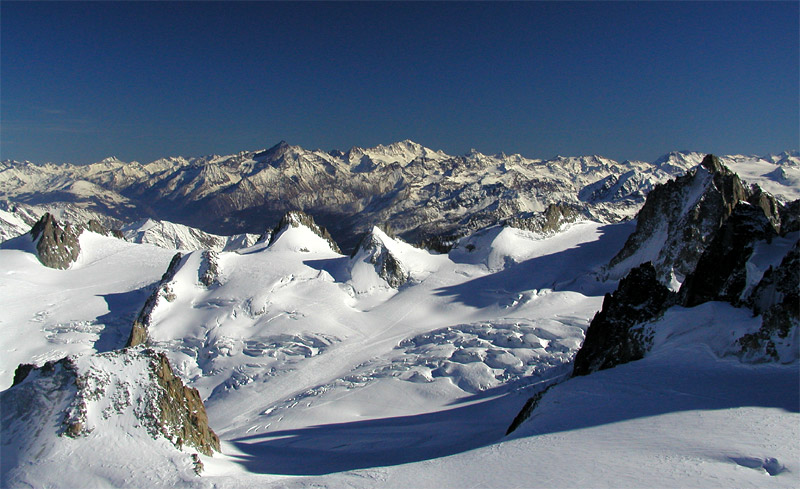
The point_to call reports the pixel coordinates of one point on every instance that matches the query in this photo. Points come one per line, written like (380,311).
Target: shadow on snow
(546,272)
(319,450)
(636,390)
(122,311)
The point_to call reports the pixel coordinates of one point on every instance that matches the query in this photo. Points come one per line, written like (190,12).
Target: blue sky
(627,80)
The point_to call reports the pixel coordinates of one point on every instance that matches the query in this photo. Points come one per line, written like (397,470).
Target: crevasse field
(315,373)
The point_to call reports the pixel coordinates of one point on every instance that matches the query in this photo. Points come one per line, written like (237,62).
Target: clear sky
(627,80)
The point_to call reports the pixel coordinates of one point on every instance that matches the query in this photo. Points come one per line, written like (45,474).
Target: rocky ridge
(294,219)
(80,395)
(680,217)
(421,192)
(717,259)
(56,247)
(724,224)
(373,249)
(163,291)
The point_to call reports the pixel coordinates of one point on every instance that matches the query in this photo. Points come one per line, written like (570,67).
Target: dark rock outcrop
(777,299)
(549,221)
(526,410)
(140,326)
(373,249)
(56,247)
(724,222)
(679,218)
(95,226)
(182,416)
(721,271)
(147,391)
(208,274)
(299,218)
(612,337)
(21,372)
(790,217)
(440,244)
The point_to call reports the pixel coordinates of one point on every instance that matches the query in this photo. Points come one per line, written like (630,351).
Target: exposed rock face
(770,208)
(612,337)
(182,416)
(56,247)
(678,220)
(96,226)
(790,217)
(440,244)
(527,410)
(739,219)
(549,221)
(163,290)
(298,218)
(209,268)
(721,272)
(93,392)
(777,299)
(388,267)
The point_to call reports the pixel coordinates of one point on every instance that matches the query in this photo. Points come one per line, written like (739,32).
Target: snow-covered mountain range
(550,342)
(417,192)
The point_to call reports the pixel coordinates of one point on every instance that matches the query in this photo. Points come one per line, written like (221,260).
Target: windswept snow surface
(48,314)
(311,380)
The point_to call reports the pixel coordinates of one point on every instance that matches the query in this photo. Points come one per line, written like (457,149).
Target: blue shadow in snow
(657,386)
(546,272)
(633,391)
(336,267)
(319,450)
(122,311)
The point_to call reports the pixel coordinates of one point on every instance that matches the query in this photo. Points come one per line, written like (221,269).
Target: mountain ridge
(422,192)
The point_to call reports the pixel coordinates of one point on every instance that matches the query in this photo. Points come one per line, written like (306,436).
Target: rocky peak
(374,250)
(612,337)
(163,291)
(100,393)
(678,220)
(56,247)
(712,164)
(274,156)
(293,219)
(721,271)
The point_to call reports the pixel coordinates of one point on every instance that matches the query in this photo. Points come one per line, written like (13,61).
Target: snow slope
(311,379)
(112,406)
(48,314)
(685,416)
(170,235)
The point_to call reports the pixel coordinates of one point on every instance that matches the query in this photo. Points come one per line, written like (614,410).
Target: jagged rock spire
(56,247)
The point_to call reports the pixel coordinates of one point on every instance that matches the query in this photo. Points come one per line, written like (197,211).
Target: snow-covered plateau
(398,366)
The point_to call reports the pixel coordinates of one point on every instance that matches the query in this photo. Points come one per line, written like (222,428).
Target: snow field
(312,379)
